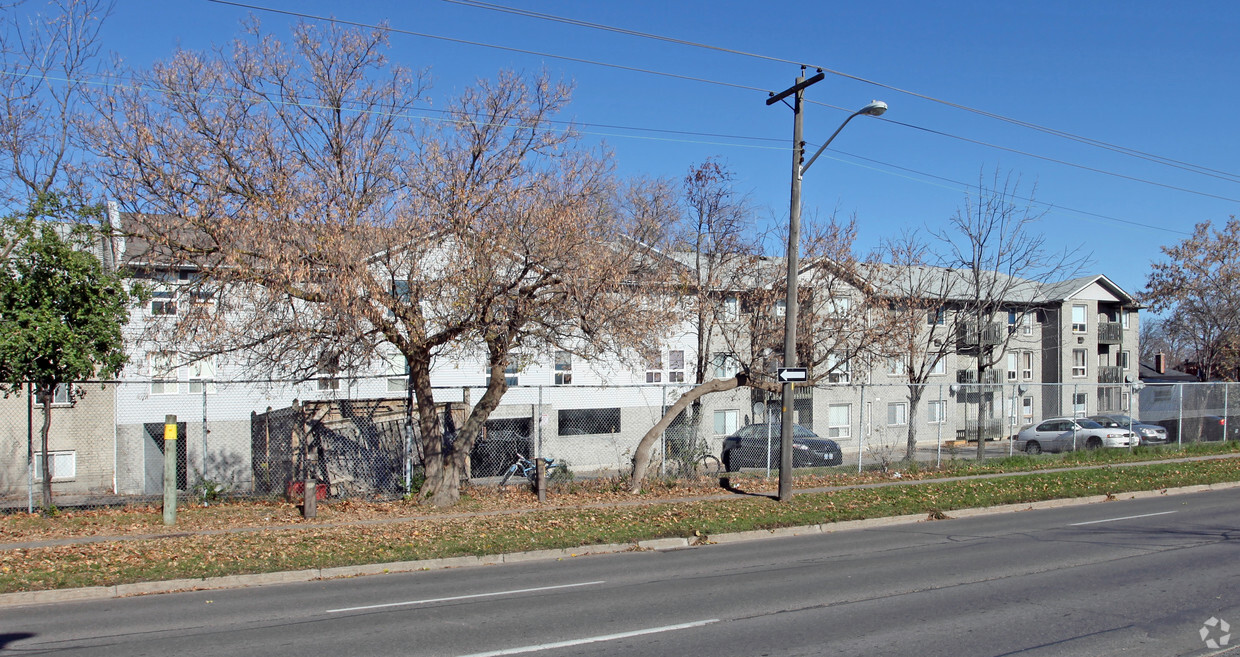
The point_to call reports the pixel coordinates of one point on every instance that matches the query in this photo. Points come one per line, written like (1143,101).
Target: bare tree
(1166,337)
(835,325)
(48,58)
(1199,289)
(921,333)
(996,262)
(331,227)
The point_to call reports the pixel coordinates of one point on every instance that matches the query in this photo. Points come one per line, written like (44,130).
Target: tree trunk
(439,488)
(915,393)
(45,396)
(641,460)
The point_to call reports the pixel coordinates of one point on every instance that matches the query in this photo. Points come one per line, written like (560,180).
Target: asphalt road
(1138,577)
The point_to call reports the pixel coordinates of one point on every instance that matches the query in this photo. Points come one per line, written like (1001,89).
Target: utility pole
(790,373)
(797,91)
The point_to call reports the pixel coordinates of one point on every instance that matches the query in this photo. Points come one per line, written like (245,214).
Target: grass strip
(111,563)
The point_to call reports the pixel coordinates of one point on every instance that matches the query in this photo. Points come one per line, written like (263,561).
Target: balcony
(1110,333)
(988,376)
(1110,374)
(992,334)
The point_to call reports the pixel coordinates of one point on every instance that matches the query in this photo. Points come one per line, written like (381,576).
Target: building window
(676,366)
(838,421)
(1078,319)
(781,308)
(897,414)
(202,376)
(328,383)
(838,306)
(1079,406)
(563,368)
(1123,318)
(62,395)
(726,422)
(1026,409)
(398,373)
(935,412)
(654,369)
(1012,365)
(1026,370)
(838,369)
(163,301)
(731,308)
(726,366)
(1123,358)
(1078,363)
(940,365)
(589,421)
(934,317)
(64,465)
(895,366)
(510,376)
(163,374)
(1026,323)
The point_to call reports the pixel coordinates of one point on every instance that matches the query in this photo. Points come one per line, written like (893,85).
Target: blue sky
(1153,76)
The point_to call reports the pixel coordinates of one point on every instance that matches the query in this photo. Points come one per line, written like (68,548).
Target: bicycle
(526,468)
(695,460)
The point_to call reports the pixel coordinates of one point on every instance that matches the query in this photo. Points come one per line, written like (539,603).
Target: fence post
(30,448)
(204,438)
(938,448)
(1073,406)
(170,469)
(1226,420)
(1179,417)
(861,429)
(663,435)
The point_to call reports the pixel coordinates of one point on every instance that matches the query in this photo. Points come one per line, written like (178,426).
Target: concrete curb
(261,579)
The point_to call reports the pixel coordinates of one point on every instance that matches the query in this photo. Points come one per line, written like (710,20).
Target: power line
(578,60)
(483,5)
(1166,161)
(1064,162)
(421,114)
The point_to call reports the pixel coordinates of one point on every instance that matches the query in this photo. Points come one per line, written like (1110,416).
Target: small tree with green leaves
(61,314)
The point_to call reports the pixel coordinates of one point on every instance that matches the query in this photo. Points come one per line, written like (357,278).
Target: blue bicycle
(526,468)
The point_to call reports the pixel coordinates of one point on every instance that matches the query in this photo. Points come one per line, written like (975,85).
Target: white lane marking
(1144,515)
(463,597)
(593,639)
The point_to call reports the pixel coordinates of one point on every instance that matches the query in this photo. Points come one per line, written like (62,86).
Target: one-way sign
(787,374)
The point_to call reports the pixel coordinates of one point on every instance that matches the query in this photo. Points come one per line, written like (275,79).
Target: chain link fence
(358,439)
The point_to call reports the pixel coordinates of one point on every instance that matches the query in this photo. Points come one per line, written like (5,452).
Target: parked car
(1200,428)
(1149,434)
(1063,434)
(747,448)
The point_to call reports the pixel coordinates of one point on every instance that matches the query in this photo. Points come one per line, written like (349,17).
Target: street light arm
(805,167)
(875,108)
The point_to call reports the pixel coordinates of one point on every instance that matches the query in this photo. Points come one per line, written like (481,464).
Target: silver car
(1064,434)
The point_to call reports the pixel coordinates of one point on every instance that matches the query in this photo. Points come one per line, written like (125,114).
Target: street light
(797,91)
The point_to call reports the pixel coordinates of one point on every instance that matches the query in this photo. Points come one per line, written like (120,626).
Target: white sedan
(1064,434)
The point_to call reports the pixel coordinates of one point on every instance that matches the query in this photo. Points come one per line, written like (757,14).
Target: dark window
(589,421)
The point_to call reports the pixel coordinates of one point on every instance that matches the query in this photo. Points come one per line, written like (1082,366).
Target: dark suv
(748,448)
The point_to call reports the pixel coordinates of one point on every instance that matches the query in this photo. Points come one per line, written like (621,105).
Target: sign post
(170,469)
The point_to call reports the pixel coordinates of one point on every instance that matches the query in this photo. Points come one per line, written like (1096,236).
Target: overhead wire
(1166,161)
(579,60)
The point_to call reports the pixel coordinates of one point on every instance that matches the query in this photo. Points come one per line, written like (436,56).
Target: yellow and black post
(170,469)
